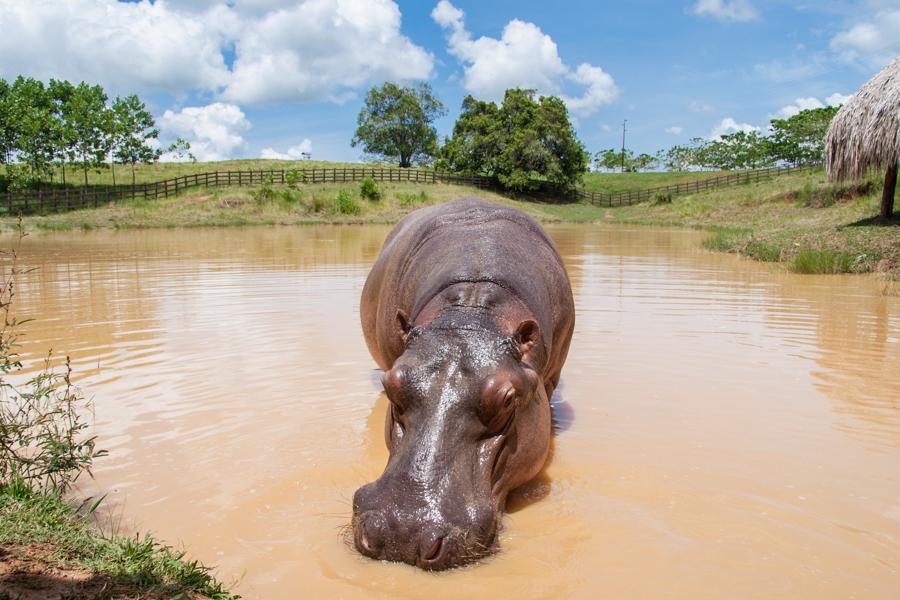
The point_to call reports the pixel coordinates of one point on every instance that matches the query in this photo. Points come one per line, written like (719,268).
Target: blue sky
(249,78)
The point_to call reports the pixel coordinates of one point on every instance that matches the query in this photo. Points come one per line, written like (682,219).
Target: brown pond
(727,429)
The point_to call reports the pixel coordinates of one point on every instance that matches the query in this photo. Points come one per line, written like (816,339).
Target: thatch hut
(865,134)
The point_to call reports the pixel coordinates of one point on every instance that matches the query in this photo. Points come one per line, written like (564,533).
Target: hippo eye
(398,429)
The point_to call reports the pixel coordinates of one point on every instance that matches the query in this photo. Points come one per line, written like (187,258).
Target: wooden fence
(697,185)
(63,199)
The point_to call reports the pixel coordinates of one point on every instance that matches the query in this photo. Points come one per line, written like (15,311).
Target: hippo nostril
(433,553)
(368,537)
(364,542)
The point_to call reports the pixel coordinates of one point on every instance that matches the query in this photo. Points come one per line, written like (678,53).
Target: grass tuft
(822,261)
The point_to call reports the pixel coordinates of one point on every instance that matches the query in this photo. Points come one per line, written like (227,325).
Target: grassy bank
(50,549)
(799,219)
(282,205)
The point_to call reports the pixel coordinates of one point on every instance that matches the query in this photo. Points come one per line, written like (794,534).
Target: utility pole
(623,144)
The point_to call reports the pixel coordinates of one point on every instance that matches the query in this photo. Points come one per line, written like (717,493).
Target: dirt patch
(30,573)
(233,201)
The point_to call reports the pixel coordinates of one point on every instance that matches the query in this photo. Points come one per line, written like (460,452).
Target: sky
(276,78)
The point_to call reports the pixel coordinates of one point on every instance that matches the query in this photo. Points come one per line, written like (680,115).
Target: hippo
(469,312)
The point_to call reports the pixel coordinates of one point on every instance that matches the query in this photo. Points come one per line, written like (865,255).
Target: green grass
(168,170)
(629,182)
(822,261)
(50,535)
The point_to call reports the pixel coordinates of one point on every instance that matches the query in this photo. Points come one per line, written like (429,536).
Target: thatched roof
(865,133)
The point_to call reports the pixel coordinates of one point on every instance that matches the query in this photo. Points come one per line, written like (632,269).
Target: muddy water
(727,429)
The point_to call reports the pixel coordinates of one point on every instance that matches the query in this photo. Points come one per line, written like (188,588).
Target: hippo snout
(386,531)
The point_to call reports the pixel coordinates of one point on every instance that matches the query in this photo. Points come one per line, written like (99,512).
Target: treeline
(797,140)
(522,141)
(526,139)
(45,128)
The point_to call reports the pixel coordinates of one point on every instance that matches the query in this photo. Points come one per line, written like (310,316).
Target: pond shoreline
(800,219)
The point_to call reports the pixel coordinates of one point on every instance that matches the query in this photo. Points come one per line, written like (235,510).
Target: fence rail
(63,199)
(697,185)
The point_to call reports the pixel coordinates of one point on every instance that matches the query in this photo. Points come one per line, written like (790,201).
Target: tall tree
(61,93)
(8,129)
(801,138)
(133,129)
(87,116)
(398,123)
(521,142)
(475,145)
(36,136)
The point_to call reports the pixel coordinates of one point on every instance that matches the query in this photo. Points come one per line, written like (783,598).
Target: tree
(8,129)
(36,131)
(475,145)
(134,128)
(520,142)
(61,93)
(801,139)
(87,116)
(738,150)
(397,123)
(611,158)
(181,148)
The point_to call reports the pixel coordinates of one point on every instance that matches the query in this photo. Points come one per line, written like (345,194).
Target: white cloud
(801,104)
(699,107)
(323,49)
(523,57)
(676,130)
(874,41)
(836,99)
(283,50)
(214,131)
(729,125)
(124,46)
(722,10)
(292,153)
(601,89)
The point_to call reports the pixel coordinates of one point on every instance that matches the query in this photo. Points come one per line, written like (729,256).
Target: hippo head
(468,421)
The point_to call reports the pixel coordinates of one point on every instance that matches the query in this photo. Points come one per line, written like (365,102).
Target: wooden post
(887,195)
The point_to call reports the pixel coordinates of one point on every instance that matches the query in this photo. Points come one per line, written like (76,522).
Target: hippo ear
(403,324)
(527,336)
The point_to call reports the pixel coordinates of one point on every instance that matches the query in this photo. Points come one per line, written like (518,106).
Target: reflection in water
(724,428)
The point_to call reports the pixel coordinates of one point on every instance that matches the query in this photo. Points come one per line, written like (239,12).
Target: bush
(409,199)
(346,204)
(265,191)
(662,198)
(369,190)
(292,178)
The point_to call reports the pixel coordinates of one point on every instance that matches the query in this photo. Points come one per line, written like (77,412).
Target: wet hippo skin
(469,311)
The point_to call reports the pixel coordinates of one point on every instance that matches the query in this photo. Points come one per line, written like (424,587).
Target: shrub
(346,204)
(662,198)
(369,190)
(409,199)
(293,177)
(265,191)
